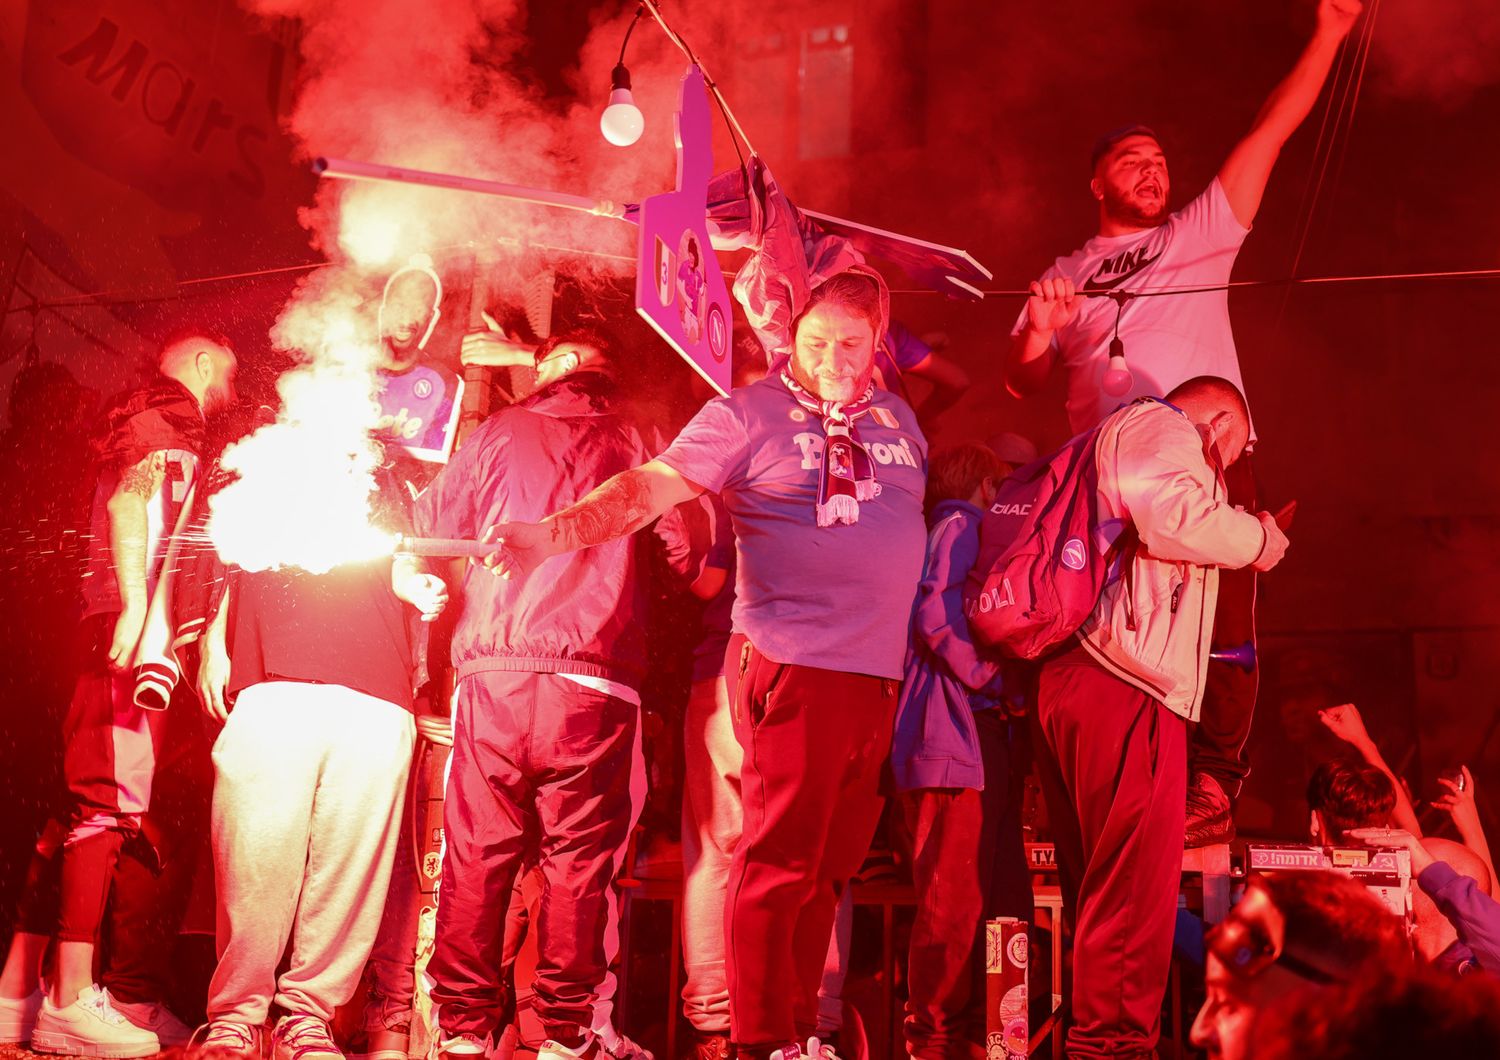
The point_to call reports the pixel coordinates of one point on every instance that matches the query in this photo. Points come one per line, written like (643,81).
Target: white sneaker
(819,1050)
(18,1018)
(814,1050)
(225,1040)
(465,1045)
(303,1036)
(90,1026)
(155,1017)
(589,1050)
(620,1046)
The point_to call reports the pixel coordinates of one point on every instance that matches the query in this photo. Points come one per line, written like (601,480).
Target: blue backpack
(1042,564)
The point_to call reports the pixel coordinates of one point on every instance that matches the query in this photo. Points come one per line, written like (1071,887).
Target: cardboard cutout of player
(420,401)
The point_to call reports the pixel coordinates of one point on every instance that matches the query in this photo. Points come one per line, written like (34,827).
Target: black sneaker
(1210,815)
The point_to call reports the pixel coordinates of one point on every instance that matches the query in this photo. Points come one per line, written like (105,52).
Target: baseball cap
(1109,139)
(1015,449)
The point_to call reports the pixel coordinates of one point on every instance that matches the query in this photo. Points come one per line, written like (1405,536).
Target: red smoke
(438,86)
(1440,51)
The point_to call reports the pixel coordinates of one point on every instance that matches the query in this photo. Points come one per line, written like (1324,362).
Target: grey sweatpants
(307,799)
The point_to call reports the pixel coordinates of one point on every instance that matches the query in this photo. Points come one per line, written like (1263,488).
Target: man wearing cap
(1080,305)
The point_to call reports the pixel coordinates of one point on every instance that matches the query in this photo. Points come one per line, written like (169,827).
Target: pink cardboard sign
(679,287)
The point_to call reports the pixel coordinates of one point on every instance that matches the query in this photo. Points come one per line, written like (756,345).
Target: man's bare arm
(128,535)
(1244,174)
(128,527)
(616,508)
(1053,304)
(621,506)
(1032,356)
(949,382)
(213,660)
(710,583)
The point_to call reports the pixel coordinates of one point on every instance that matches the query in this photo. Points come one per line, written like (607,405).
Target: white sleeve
(1212,218)
(1169,490)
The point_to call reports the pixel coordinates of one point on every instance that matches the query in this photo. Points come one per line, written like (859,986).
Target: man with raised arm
(822,474)
(1081,303)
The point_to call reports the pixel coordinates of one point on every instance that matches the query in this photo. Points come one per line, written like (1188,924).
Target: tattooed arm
(127,544)
(621,506)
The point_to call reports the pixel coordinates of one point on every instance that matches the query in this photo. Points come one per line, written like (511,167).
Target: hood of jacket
(943,509)
(587,392)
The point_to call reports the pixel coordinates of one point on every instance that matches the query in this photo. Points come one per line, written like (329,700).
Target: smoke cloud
(1441,51)
(440,86)
(303,492)
(448,86)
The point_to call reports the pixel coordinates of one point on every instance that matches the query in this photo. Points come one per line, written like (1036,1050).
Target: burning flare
(303,495)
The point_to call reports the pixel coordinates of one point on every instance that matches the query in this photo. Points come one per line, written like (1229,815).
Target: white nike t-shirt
(1168,339)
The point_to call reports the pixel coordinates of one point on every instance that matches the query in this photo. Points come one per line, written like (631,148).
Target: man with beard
(147,461)
(1167,340)
(827,568)
(418,399)
(1112,711)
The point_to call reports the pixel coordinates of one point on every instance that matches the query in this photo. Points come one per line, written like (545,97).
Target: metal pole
(348,169)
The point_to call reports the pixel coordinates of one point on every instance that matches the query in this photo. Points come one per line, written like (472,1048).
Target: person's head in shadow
(1387,1014)
(1292,935)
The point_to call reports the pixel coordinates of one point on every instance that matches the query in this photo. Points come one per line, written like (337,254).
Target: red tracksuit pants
(539,763)
(1113,767)
(127,769)
(815,743)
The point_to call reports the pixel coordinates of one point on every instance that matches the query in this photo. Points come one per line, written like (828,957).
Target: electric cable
(736,132)
(1171,289)
(1357,49)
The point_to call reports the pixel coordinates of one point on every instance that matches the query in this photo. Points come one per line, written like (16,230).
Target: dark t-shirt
(345,627)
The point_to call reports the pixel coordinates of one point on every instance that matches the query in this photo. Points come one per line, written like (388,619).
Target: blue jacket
(579,613)
(1473,914)
(946,679)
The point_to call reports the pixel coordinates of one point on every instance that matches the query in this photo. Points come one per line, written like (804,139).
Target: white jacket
(1153,623)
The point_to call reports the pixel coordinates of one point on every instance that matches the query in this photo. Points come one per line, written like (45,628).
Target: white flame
(303,495)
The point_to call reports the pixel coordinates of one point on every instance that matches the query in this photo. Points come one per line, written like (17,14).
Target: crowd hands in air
(836,683)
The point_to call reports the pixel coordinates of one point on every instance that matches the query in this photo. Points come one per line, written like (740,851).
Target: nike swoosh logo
(1095,284)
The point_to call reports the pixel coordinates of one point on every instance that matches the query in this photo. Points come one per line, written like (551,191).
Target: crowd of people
(835,679)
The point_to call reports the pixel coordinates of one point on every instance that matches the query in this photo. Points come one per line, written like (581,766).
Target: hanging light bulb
(1117,377)
(622,122)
